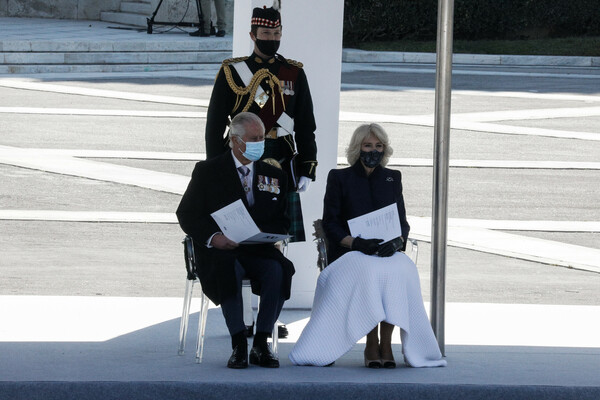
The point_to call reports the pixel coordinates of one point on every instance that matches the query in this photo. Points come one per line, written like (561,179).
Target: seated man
(222,263)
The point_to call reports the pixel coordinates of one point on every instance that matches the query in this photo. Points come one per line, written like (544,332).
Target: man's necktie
(244,172)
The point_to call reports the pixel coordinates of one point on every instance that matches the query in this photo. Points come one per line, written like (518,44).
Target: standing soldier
(276,89)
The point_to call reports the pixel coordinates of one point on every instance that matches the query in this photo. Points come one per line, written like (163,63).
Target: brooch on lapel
(389,179)
(268,184)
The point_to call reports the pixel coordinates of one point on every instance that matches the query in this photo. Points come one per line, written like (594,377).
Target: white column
(312,34)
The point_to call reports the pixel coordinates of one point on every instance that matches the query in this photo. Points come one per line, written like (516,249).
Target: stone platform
(114,348)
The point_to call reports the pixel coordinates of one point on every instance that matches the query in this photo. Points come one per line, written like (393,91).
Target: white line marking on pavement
(524,95)
(525,131)
(528,114)
(127,154)
(64,165)
(458,124)
(208,72)
(114,94)
(108,113)
(514,225)
(170,218)
(426,120)
(88,216)
(341,161)
(516,246)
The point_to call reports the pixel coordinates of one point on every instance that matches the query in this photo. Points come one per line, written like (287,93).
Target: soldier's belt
(275,133)
(272,134)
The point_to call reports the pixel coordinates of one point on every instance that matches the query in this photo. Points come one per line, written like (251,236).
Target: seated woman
(369,287)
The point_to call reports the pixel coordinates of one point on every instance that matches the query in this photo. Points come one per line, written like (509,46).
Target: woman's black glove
(366,246)
(389,248)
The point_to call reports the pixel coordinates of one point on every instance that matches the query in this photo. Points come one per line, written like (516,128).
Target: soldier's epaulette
(234,60)
(295,63)
(284,60)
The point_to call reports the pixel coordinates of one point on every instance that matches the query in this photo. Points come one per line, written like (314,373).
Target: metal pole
(439,218)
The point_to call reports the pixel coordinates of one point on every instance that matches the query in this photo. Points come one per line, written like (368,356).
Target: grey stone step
(104,49)
(138,44)
(162,57)
(63,68)
(125,18)
(143,8)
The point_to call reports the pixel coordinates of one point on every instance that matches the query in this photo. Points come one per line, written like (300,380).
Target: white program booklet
(379,224)
(237,224)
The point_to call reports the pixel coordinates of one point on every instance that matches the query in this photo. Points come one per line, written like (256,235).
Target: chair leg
(415,250)
(247,302)
(185,315)
(201,328)
(275,338)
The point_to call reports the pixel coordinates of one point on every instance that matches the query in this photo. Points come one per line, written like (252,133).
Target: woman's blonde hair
(363,132)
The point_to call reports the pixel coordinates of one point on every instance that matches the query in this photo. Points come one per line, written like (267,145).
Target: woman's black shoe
(372,363)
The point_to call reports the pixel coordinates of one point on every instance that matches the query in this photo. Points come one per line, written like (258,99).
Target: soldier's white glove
(303,184)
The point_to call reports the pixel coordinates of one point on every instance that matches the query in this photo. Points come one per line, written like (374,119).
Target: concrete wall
(175,10)
(61,9)
(170,10)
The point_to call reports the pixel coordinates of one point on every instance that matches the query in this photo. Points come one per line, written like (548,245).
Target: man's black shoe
(199,32)
(239,357)
(220,34)
(264,357)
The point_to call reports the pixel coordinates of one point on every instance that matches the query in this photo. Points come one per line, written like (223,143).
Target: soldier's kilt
(279,150)
(295,214)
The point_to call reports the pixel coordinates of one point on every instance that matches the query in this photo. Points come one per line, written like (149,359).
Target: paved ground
(556,182)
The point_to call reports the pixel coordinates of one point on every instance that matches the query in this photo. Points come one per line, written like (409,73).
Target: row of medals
(268,187)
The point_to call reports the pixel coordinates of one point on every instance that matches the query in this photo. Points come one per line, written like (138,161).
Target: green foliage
(375,20)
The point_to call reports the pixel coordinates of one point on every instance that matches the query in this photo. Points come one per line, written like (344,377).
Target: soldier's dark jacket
(277,91)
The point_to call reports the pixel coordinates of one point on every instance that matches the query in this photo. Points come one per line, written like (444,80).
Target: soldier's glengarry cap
(267,17)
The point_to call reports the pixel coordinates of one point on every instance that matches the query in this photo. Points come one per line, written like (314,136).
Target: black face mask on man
(371,159)
(268,47)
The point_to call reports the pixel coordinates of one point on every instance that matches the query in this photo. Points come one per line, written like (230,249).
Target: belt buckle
(272,134)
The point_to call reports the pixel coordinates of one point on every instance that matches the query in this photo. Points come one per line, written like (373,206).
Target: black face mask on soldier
(371,159)
(268,47)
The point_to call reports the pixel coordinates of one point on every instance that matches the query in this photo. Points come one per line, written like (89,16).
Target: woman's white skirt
(353,295)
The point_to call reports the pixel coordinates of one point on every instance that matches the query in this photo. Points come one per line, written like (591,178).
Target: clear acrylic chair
(191,280)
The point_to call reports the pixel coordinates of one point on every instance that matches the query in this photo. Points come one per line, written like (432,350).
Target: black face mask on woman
(371,159)
(268,47)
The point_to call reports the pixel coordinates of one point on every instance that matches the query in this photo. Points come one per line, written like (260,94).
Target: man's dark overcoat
(215,183)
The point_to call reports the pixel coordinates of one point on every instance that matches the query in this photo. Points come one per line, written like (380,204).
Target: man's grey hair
(241,122)
(363,132)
